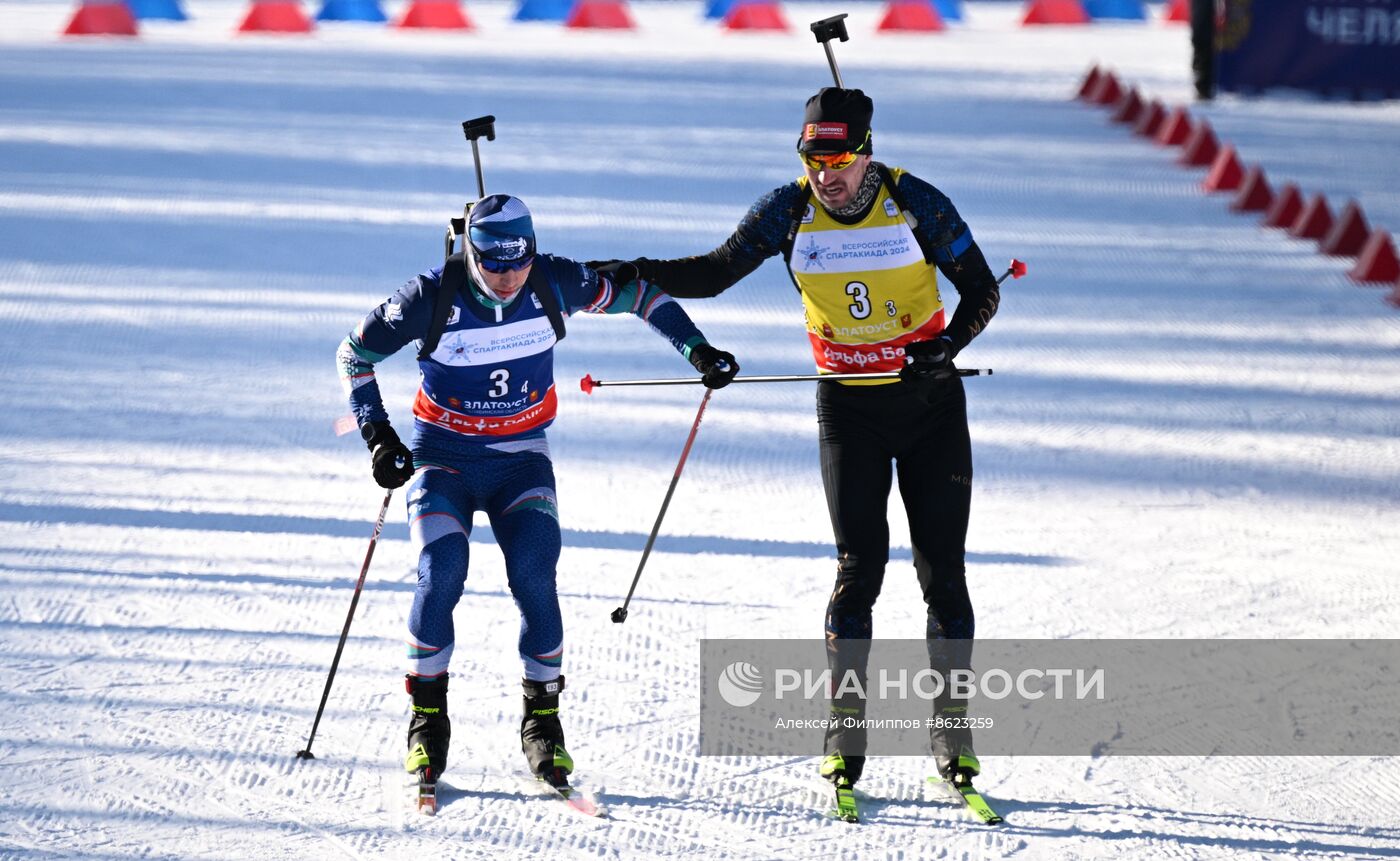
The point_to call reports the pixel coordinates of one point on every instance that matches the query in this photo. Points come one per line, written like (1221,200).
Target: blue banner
(1348,48)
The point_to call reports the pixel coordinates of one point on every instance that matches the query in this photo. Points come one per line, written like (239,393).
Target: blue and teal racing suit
(486,396)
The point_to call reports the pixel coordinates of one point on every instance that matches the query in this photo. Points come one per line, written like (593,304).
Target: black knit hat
(837,120)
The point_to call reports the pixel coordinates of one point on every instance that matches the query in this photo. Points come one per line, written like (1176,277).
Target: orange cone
(1285,208)
(102,19)
(600,15)
(1128,108)
(1176,128)
(1314,221)
(1348,235)
(1225,172)
(434,15)
(275,16)
(1255,194)
(1055,12)
(1107,91)
(1091,80)
(1201,147)
(1377,263)
(913,16)
(755,15)
(1151,120)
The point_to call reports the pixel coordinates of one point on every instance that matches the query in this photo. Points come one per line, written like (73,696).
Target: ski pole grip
(480,126)
(831,28)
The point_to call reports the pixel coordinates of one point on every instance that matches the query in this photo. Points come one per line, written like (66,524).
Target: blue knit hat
(500,228)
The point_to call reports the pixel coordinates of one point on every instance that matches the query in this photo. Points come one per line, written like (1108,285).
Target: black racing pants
(870,436)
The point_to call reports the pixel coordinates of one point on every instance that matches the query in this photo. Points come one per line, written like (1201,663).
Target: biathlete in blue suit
(486,396)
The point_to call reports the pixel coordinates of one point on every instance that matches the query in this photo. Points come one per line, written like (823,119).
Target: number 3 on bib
(860,299)
(501,378)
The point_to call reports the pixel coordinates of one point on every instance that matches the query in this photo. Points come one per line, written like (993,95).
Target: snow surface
(1194,431)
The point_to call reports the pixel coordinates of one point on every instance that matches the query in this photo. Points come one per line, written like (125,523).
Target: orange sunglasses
(831,160)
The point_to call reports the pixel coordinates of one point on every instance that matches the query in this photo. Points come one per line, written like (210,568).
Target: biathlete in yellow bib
(865,245)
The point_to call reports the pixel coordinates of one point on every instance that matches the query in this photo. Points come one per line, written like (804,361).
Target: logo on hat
(510,249)
(825,131)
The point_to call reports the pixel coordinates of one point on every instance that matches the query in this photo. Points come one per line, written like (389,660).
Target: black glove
(928,360)
(390,459)
(717,368)
(619,272)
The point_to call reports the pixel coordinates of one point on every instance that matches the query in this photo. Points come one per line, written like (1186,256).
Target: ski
(970,798)
(559,787)
(425,793)
(846,809)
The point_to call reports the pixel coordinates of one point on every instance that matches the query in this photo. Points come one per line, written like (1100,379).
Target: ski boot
(843,772)
(959,770)
(429,733)
(541,735)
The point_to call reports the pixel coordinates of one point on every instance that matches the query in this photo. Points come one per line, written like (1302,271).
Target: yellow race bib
(866,288)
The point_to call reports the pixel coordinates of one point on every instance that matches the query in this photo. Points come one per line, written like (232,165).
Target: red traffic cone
(275,16)
(1255,194)
(1284,209)
(434,15)
(1150,122)
(755,15)
(102,19)
(600,15)
(1178,12)
(1314,221)
(1091,80)
(916,16)
(1377,262)
(1201,147)
(1176,128)
(1128,108)
(1055,12)
(1225,172)
(1107,91)
(1348,234)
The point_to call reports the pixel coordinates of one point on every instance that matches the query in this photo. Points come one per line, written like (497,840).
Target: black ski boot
(429,733)
(845,753)
(950,731)
(952,744)
(541,735)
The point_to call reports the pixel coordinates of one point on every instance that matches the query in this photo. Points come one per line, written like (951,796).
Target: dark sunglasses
(496,267)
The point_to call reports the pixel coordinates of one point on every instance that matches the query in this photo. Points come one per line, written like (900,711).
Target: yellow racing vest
(866,289)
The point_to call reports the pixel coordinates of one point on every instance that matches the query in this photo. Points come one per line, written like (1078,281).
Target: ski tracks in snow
(179,531)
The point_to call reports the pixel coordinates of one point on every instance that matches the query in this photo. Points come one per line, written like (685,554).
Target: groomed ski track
(1193,431)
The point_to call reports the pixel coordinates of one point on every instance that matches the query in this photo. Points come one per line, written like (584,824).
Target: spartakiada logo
(812,254)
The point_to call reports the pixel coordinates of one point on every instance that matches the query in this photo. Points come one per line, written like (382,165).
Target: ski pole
(1016,269)
(306,753)
(620,614)
(588,384)
(827,29)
